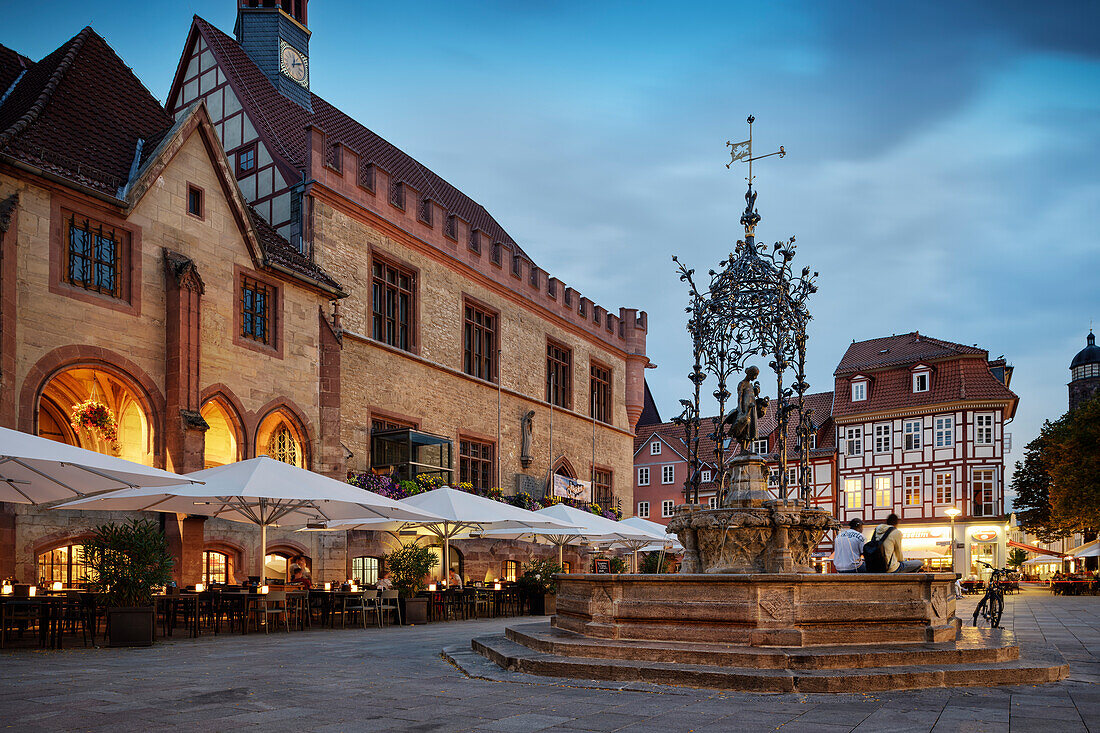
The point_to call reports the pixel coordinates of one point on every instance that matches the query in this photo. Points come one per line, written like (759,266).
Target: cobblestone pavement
(394,679)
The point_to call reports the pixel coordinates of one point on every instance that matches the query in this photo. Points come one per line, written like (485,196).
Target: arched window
(282,446)
(64,565)
(215,567)
(280,438)
(366,570)
(275,566)
(222,437)
(509,570)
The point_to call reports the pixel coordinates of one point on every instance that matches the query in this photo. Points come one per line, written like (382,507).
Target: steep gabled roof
(907,348)
(79,113)
(650,415)
(284,123)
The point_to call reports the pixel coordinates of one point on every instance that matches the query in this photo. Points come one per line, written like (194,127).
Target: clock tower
(274,35)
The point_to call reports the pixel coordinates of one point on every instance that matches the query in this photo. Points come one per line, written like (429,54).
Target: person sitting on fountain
(848,549)
(890,538)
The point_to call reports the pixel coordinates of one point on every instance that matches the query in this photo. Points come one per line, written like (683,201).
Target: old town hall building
(249,271)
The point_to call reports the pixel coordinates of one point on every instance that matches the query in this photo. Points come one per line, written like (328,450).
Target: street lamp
(952,511)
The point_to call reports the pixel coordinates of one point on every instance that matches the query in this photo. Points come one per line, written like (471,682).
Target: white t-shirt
(848,550)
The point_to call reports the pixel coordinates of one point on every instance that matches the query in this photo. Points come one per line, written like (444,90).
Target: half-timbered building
(920,431)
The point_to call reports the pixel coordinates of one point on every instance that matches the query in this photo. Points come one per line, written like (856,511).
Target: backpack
(874,553)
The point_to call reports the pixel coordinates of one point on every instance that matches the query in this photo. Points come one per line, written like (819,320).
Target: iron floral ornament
(754,306)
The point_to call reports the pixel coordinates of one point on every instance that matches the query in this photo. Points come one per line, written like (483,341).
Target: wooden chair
(360,603)
(389,602)
(273,604)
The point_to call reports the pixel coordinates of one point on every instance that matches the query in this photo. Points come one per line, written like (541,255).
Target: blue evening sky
(943,157)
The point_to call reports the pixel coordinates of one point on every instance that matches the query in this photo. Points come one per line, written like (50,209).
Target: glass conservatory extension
(405,453)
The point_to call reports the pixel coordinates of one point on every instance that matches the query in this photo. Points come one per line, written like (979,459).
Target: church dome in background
(1088,355)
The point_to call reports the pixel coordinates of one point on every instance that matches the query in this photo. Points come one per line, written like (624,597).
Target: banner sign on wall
(564,487)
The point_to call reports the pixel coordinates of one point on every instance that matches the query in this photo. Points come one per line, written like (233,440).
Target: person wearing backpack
(882,553)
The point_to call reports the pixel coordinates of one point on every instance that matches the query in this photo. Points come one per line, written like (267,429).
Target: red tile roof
(78,113)
(284,122)
(908,348)
(820,402)
(957,380)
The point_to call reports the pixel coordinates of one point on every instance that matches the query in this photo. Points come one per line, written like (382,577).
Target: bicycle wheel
(996,608)
(982,618)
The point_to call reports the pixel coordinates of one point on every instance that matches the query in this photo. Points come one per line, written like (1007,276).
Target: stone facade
(169,341)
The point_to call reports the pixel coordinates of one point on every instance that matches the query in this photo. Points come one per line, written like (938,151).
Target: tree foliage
(408,567)
(127,561)
(1057,484)
(1017,557)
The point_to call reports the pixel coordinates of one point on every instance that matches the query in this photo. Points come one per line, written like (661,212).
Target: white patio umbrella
(1090,549)
(462,513)
(1043,560)
(659,539)
(588,527)
(260,491)
(36,470)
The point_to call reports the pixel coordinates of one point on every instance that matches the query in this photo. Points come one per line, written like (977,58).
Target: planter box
(131,626)
(414,610)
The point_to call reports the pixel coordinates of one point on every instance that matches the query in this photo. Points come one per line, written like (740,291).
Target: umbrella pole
(446,557)
(263,551)
(561,554)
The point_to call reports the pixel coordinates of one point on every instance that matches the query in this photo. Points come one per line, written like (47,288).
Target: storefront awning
(1032,548)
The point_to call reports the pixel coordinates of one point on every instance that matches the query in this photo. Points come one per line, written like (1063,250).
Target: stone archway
(95,385)
(115,378)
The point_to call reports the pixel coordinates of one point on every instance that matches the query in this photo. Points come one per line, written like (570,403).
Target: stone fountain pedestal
(746,613)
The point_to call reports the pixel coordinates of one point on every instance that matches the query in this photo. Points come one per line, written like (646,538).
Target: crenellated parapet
(364,183)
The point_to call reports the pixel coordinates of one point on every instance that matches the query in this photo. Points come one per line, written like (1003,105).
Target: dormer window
(859,390)
(921,379)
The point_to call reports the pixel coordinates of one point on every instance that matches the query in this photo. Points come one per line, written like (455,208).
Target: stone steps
(970,646)
(1038,665)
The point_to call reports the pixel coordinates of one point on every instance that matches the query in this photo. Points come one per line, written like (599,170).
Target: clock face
(294,64)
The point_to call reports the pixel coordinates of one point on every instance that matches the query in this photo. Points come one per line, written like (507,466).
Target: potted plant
(408,567)
(125,563)
(539,586)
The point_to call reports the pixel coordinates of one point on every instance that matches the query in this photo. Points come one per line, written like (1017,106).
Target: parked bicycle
(988,613)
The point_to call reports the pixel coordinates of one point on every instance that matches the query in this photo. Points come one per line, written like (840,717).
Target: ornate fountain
(755,306)
(745,611)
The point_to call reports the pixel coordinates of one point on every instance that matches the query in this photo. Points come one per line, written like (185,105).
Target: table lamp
(56,585)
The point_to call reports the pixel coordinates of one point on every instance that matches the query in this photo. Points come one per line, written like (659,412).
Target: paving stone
(394,679)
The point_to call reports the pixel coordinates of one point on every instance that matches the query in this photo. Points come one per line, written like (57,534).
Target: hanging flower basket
(96,417)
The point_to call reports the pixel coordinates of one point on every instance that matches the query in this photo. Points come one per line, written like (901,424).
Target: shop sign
(924,533)
(983,534)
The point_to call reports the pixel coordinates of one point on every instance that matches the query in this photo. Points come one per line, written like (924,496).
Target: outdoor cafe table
(1072,587)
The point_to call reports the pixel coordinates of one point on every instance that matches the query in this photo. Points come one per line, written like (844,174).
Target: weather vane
(743,151)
